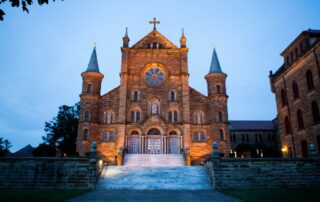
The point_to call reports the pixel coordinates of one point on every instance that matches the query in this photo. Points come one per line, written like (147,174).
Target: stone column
(142,144)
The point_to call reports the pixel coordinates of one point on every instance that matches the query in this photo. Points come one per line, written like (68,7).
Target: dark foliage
(21,3)
(44,150)
(4,147)
(62,130)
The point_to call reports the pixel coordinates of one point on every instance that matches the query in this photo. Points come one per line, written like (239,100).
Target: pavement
(153,196)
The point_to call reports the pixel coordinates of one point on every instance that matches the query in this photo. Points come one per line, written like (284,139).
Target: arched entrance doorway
(134,146)
(154,141)
(173,143)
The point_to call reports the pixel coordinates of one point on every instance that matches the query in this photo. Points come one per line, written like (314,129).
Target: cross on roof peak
(154,22)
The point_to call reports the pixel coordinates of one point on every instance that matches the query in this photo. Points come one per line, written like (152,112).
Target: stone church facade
(154,110)
(296,85)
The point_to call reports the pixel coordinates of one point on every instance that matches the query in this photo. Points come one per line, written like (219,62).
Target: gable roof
(251,125)
(23,152)
(154,36)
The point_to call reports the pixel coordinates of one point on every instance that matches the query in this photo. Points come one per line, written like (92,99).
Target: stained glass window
(154,77)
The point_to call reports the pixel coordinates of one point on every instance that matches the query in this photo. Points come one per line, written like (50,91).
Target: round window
(154,76)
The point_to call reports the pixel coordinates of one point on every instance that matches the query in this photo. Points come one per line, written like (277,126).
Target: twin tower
(153,110)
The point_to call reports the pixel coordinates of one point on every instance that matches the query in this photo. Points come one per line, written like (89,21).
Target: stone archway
(154,143)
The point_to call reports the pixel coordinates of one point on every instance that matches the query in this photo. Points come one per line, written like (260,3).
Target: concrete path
(153,196)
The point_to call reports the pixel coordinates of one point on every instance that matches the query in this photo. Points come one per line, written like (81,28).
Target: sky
(44,52)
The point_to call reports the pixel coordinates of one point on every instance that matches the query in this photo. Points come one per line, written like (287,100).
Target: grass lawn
(281,194)
(26,195)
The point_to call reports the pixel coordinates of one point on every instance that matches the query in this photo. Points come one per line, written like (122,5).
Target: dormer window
(89,88)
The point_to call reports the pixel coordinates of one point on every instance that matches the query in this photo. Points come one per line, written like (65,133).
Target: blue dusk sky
(43,53)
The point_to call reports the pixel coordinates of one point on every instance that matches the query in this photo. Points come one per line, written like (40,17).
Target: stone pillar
(165,144)
(142,143)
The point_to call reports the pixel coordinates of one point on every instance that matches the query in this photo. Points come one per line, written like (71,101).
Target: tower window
(283,98)
(89,88)
(287,125)
(132,117)
(221,135)
(170,116)
(172,96)
(310,80)
(85,134)
(135,116)
(300,119)
(220,118)
(136,96)
(175,117)
(138,118)
(86,116)
(199,118)
(315,112)
(218,89)
(295,89)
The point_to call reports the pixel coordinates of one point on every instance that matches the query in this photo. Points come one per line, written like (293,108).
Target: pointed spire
(183,40)
(126,39)
(215,65)
(93,63)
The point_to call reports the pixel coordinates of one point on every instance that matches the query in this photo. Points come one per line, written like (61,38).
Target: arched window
(300,119)
(175,117)
(287,125)
(173,133)
(132,116)
(104,136)
(218,89)
(89,88)
(87,116)
(221,134)
(202,136)
(134,132)
(154,106)
(195,137)
(283,98)
(170,116)
(136,96)
(199,118)
(138,116)
(172,96)
(315,112)
(220,118)
(295,89)
(154,131)
(85,134)
(109,117)
(310,80)
(111,136)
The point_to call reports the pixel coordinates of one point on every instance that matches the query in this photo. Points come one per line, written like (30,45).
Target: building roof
(23,152)
(215,65)
(93,63)
(251,125)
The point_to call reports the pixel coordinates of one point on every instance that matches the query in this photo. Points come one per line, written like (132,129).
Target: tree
(62,130)
(44,150)
(21,3)
(5,146)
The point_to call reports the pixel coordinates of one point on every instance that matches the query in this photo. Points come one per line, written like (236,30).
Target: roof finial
(94,45)
(154,22)
(126,31)
(183,32)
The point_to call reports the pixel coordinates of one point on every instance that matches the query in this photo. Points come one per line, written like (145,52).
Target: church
(154,110)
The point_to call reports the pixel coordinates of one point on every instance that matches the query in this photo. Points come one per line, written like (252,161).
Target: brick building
(254,138)
(296,85)
(153,110)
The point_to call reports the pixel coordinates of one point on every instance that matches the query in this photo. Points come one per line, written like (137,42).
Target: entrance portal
(173,145)
(154,146)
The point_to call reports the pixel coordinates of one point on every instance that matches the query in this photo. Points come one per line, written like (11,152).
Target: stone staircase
(154,172)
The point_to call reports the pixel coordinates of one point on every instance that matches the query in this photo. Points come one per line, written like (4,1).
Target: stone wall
(49,173)
(263,173)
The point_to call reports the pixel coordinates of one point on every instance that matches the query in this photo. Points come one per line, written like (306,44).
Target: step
(154,178)
(153,160)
